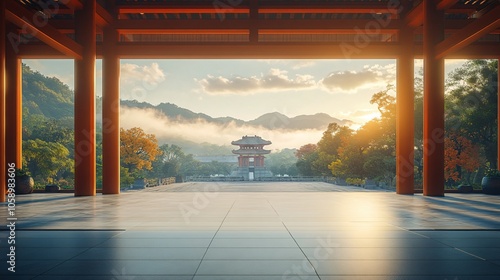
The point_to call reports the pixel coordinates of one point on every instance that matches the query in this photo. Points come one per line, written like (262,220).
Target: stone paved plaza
(254,231)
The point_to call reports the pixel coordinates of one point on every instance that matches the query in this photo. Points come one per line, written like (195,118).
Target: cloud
(136,80)
(151,121)
(275,80)
(303,64)
(367,77)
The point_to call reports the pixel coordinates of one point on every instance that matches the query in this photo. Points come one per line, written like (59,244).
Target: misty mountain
(197,133)
(277,120)
(271,121)
(52,98)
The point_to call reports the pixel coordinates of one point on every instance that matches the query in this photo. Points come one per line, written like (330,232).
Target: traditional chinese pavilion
(251,157)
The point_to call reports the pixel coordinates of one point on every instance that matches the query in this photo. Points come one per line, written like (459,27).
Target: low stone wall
(214,179)
(291,179)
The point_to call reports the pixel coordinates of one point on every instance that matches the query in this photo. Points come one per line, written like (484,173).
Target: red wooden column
(498,114)
(405,115)
(85,158)
(13,110)
(433,101)
(110,114)
(3,166)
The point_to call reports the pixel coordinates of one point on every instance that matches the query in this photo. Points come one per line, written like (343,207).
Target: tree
(306,150)
(138,150)
(283,162)
(46,160)
(306,155)
(368,152)
(461,156)
(471,104)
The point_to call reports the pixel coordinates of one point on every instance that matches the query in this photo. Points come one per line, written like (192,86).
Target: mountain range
(50,98)
(274,120)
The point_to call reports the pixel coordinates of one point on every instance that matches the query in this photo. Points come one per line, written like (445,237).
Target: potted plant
(24,182)
(491,182)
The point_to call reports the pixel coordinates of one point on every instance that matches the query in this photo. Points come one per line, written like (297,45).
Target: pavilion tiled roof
(251,140)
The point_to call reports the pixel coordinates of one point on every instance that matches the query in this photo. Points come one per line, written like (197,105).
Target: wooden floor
(254,231)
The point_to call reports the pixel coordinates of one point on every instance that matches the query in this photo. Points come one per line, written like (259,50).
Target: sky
(246,89)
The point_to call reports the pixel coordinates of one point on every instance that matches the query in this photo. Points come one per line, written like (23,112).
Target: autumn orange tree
(462,157)
(138,149)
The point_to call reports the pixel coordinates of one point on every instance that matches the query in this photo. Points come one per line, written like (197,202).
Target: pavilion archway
(83,30)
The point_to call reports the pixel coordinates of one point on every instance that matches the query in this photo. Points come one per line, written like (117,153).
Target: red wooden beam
(152,8)
(446,4)
(72,4)
(322,31)
(480,27)
(3,159)
(40,51)
(346,7)
(131,50)
(264,8)
(24,19)
(186,31)
(130,26)
(327,10)
(103,17)
(415,17)
(260,50)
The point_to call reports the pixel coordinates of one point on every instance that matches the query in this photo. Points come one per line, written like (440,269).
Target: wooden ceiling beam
(152,8)
(128,26)
(68,26)
(264,8)
(23,18)
(72,4)
(255,51)
(415,17)
(446,4)
(103,17)
(487,23)
(200,51)
(185,31)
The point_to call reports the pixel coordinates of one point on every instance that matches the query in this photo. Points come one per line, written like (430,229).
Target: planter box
(24,184)
(140,184)
(52,188)
(465,189)
(491,185)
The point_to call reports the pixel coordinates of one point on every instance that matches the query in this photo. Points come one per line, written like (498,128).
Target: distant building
(251,157)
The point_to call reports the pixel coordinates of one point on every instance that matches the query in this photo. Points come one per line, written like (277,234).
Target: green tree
(47,161)
(471,104)
(282,162)
(306,155)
